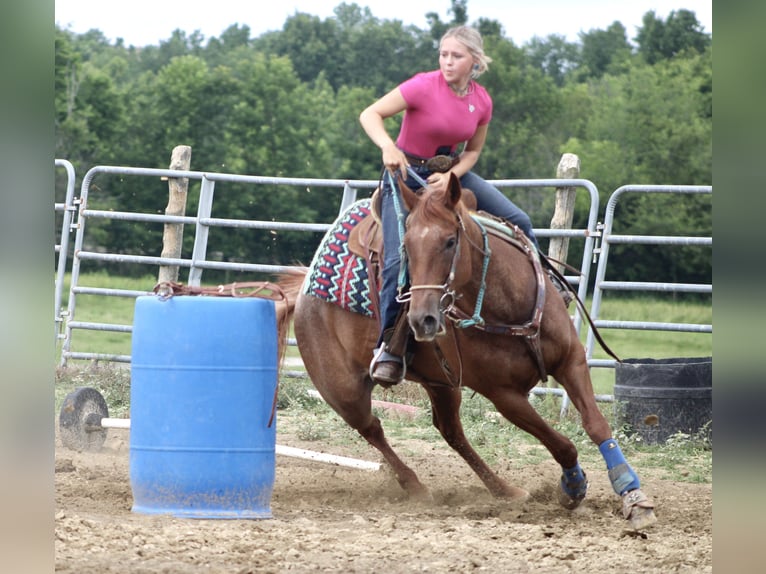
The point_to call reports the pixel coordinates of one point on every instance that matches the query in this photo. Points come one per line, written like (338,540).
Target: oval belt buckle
(440,163)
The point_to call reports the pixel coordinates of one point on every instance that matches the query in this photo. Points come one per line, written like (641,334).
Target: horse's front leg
(514,406)
(637,507)
(405,476)
(446,417)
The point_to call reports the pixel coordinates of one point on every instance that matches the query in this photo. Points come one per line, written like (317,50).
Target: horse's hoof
(515,494)
(572,494)
(568,502)
(421,495)
(638,509)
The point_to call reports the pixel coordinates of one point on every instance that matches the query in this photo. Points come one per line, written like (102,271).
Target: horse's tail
(291,283)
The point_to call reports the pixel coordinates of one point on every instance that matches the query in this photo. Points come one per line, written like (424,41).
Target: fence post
(172,236)
(568,168)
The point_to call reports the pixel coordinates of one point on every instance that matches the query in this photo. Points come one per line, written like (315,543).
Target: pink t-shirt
(436,116)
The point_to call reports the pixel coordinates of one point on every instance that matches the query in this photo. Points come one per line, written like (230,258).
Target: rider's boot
(387,369)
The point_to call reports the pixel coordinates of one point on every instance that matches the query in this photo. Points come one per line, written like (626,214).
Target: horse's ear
(454,189)
(409,197)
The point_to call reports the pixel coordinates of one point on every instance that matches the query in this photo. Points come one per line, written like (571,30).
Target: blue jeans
(488,198)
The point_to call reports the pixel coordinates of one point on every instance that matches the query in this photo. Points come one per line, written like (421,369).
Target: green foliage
(679,34)
(554,56)
(287,103)
(603,51)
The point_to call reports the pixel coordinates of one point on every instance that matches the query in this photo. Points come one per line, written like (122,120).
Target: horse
(481,319)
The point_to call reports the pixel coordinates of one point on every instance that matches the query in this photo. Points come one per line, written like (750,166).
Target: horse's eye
(451,242)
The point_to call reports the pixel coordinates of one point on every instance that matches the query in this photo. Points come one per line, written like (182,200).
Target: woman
(443,108)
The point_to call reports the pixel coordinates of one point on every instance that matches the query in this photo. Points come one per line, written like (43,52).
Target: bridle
(449,296)
(529,331)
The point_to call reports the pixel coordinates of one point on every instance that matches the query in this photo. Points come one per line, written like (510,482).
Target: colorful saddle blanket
(337,275)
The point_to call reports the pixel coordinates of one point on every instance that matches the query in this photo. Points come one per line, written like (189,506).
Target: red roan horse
(453,264)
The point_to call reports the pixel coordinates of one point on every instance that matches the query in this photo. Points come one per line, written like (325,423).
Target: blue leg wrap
(573,482)
(621,475)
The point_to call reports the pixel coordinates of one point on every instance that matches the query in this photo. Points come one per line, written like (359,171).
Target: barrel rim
(666,361)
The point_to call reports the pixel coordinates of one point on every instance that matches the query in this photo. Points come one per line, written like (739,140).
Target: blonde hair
(472,40)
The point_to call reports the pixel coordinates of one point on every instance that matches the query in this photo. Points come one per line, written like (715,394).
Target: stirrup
(377,355)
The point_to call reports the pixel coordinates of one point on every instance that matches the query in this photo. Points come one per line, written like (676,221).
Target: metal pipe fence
(76,214)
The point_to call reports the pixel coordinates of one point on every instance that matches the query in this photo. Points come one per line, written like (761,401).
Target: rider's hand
(438,181)
(394,159)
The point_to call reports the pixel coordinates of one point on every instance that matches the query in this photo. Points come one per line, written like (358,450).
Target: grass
(682,458)
(625,343)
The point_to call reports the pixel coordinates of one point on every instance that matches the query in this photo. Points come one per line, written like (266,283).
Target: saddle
(366,239)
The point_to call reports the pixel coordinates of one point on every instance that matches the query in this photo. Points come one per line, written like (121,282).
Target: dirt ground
(328,518)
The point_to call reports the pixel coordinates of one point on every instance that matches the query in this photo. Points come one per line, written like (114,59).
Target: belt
(440,163)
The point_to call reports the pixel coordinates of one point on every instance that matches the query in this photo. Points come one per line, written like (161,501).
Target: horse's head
(436,268)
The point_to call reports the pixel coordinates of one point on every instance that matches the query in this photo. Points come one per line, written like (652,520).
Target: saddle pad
(337,275)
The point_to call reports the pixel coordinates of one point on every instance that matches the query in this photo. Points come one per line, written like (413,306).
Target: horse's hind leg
(446,417)
(338,369)
(637,508)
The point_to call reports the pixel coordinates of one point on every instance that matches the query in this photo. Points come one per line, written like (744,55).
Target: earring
(476,67)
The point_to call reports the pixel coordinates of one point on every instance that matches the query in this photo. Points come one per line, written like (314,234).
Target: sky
(147,22)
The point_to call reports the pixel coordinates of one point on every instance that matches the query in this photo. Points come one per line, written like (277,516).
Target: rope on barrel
(262,289)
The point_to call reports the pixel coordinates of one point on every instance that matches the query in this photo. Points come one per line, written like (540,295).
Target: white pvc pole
(279,449)
(330,458)
(115,423)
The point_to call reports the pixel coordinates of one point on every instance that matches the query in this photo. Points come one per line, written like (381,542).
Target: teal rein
(400,219)
(402,283)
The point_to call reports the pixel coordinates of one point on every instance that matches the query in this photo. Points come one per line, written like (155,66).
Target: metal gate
(596,237)
(340,190)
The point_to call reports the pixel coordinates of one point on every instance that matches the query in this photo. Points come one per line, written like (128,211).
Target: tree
(219,51)
(526,104)
(680,33)
(287,103)
(88,107)
(556,57)
(459,11)
(649,127)
(311,44)
(604,50)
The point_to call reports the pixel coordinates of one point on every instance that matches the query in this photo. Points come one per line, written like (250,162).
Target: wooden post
(569,168)
(172,236)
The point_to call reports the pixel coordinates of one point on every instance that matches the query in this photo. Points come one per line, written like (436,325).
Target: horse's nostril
(430,324)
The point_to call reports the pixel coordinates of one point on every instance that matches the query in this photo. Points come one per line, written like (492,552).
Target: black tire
(80,420)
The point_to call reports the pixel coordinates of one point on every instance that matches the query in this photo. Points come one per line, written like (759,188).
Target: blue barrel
(203,384)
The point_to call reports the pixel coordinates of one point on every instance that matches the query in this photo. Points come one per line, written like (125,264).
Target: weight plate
(80,420)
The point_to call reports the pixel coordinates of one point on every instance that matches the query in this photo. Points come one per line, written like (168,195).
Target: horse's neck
(508,288)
